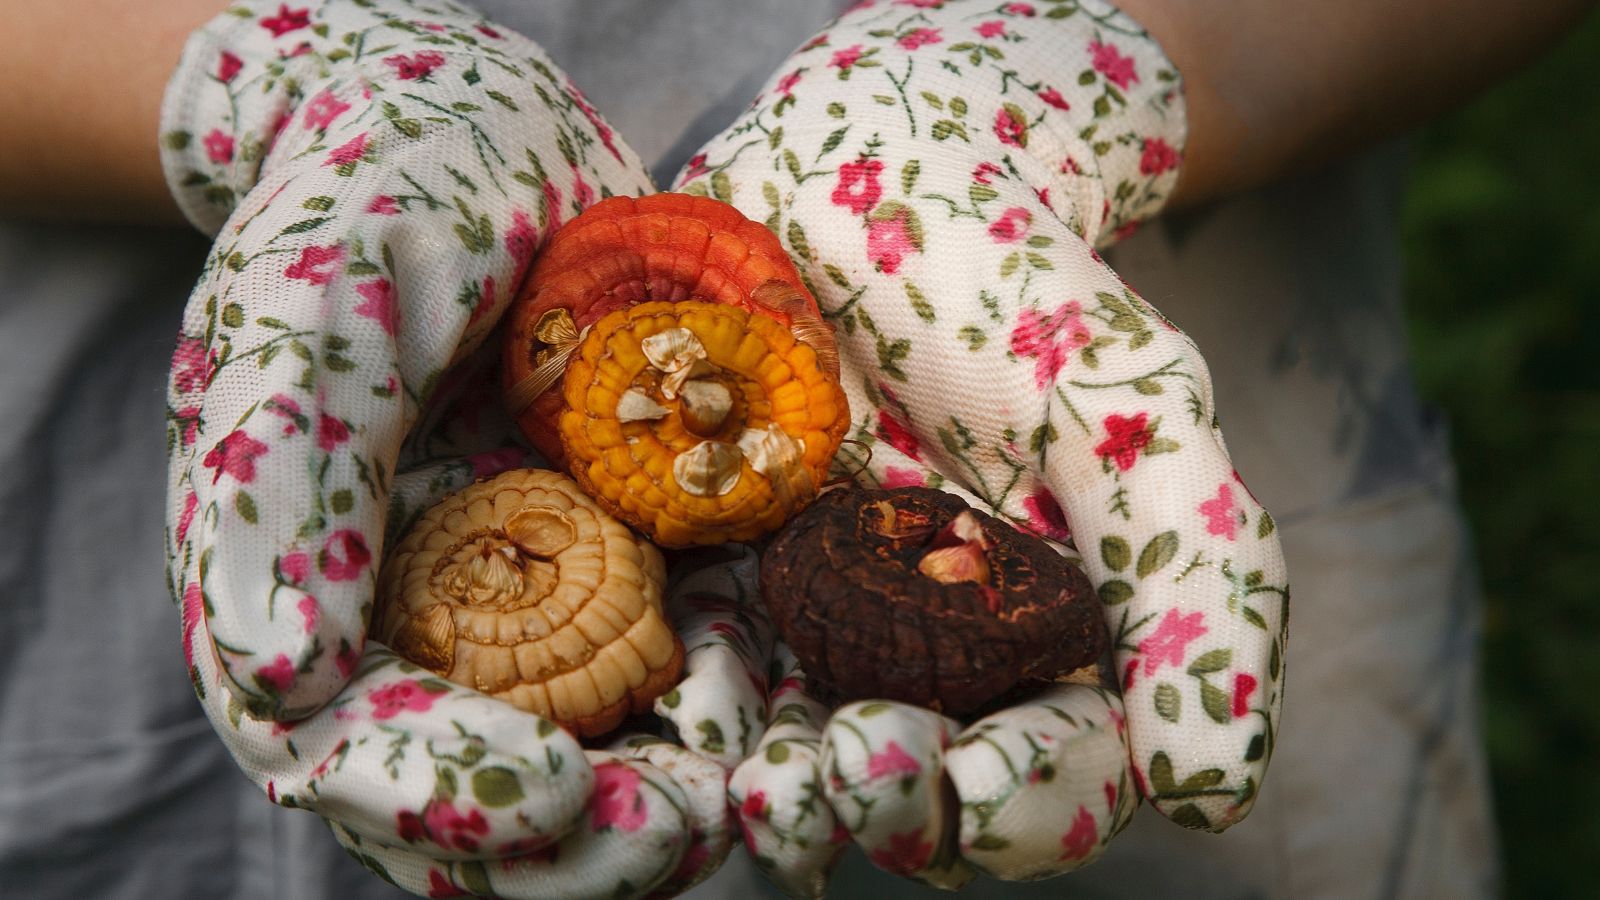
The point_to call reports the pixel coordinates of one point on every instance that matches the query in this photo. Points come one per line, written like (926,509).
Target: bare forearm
(1275,87)
(80,96)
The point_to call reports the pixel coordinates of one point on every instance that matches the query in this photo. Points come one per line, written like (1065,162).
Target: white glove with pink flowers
(941,172)
(378,175)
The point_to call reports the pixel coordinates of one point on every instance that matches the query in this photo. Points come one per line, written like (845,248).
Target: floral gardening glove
(379,175)
(941,171)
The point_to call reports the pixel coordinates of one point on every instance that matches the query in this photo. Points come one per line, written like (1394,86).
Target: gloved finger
(402,757)
(1186,561)
(1043,785)
(884,775)
(1108,426)
(1123,455)
(704,785)
(720,707)
(357,268)
(789,828)
(631,838)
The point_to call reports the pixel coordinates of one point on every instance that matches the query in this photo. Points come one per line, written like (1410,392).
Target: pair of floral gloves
(378,176)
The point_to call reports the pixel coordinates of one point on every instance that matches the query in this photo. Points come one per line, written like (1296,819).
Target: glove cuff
(1114,102)
(237,82)
(1079,86)
(246,74)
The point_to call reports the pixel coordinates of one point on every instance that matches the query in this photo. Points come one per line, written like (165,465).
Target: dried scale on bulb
(667,353)
(523,588)
(911,595)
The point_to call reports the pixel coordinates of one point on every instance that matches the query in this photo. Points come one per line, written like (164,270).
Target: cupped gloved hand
(941,172)
(378,176)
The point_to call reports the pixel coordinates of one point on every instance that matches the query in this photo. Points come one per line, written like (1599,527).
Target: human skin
(80,98)
(1274,87)
(1277,87)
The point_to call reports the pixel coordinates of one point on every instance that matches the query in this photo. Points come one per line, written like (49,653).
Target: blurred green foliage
(1502,230)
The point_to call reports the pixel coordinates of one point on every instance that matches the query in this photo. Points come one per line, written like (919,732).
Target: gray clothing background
(112,785)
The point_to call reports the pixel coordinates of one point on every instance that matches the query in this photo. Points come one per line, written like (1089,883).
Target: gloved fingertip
(1043,785)
(719,707)
(710,820)
(883,773)
(789,830)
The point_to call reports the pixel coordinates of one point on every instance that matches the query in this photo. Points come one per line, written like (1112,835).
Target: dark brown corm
(911,595)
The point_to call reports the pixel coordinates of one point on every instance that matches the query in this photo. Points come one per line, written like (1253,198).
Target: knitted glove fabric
(378,176)
(941,172)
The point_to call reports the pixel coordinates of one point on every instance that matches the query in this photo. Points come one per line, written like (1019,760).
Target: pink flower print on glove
(858,188)
(401,696)
(616,803)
